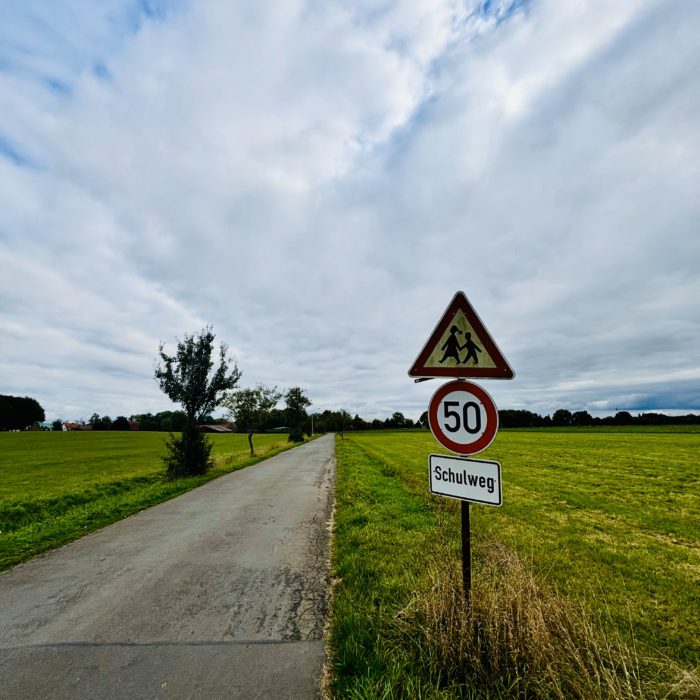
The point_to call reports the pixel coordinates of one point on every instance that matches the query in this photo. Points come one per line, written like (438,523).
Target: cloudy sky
(317,179)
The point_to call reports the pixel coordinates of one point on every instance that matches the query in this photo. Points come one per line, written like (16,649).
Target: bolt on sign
(462,416)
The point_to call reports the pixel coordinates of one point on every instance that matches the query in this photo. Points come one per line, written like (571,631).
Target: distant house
(71,426)
(232,427)
(215,429)
(41,425)
(85,426)
(133,424)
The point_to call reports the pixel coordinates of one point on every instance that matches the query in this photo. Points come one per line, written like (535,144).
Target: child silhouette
(451,346)
(472,349)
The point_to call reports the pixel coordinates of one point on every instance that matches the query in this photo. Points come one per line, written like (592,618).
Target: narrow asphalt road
(219,593)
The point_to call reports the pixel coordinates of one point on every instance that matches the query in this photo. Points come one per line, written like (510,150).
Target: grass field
(58,486)
(608,517)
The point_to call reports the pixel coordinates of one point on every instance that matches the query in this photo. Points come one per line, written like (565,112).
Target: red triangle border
(502,370)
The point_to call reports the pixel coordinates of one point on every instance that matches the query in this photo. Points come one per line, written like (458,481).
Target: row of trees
(251,411)
(563,418)
(106,423)
(189,378)
(339,421)
(256,409)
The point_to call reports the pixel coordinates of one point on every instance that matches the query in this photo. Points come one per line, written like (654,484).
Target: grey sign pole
(466,551)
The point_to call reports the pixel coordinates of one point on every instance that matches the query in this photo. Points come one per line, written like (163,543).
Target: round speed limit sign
(463,417)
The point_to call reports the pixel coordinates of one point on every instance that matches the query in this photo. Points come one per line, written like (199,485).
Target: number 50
(465,416)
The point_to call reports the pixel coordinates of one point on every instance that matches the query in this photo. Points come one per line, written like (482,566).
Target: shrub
(188,454)
(296,435)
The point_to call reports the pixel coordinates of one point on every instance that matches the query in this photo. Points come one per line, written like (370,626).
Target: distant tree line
(167,421)
(337,421)
(563,418)
(18,413)
(341,421)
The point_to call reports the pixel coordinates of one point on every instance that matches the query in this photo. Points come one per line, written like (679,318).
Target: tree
(57,425)
(104,423)
(518,418)
(581,418)
(27,411)
(359,424)
(623,418)
(121,423)
(185,379)
(343,422)
(398,420)
(297,404)
(561,417)
(19,413)
(177,421)
(423,420)
(148,422)
(250,408)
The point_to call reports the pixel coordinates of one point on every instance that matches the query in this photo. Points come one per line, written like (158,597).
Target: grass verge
(399,627)
(612,519)
(52,515)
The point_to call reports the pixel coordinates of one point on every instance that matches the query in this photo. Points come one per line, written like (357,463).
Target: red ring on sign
(491,418)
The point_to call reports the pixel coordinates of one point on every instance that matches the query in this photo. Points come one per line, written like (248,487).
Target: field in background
(58,486)
(609,517)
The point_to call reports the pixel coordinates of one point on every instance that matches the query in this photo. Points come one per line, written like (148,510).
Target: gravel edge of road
(327,671)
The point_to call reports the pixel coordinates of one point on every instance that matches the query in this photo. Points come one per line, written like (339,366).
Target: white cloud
(318,179)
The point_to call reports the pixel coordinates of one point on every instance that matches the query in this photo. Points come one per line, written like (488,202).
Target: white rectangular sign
(473,480)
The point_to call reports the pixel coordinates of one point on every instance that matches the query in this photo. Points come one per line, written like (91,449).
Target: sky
(315,180)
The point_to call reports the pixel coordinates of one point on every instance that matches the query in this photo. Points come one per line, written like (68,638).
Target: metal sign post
(466,552)
(470,481)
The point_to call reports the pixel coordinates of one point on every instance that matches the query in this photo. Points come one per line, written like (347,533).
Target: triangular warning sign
(460,346)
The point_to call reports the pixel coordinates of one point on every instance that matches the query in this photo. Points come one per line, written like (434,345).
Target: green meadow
(58,486)
(608,518)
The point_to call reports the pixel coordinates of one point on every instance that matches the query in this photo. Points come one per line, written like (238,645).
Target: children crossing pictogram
(460,346)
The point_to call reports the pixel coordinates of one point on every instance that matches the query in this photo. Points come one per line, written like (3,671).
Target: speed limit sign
(463,417)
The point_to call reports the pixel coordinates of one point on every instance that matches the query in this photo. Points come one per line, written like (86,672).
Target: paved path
(219,593)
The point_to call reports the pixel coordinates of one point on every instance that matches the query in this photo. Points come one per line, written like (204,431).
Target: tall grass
(514,637)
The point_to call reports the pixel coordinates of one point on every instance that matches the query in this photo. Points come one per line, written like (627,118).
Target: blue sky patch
(11,153)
